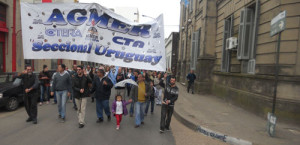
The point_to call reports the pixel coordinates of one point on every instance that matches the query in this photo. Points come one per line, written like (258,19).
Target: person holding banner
(62,86)
(102,88)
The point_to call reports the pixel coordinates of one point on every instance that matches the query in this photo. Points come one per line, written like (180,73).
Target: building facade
(197,42)
(171,45)
(244,75)
(11,50)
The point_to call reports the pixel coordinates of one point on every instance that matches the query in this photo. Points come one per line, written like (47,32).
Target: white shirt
(119,109)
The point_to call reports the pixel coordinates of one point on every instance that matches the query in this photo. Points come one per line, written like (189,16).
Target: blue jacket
(191,77)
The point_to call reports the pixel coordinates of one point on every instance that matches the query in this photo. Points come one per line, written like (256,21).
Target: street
(49,131)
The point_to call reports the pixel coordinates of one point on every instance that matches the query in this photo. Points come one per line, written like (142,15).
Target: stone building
(171,45)
(197,42)
(244,75)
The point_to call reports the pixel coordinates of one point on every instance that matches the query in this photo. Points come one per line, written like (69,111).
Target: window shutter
(191,6)
(240,37)
(251,66)
(255,30)
(231,26)
(224,53)
(193,50)
(248,33)
(199,42)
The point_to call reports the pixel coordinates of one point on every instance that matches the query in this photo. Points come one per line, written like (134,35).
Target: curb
(207,132)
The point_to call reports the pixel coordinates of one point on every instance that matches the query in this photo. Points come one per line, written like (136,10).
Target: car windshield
(3,78)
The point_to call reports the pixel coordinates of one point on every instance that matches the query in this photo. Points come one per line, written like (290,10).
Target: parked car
(11,91)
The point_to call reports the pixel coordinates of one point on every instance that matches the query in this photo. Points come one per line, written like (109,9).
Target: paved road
(49,131)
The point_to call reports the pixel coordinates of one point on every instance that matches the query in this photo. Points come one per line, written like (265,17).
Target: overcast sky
(153,8)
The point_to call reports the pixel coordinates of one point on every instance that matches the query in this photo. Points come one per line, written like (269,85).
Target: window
(194,48)
(53,63)
(191,6)
(226,54)
(245,33)
(29,62)
(182,50)
(184,12)
(247,37)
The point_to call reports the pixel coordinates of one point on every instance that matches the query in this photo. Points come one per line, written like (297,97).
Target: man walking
(62,85)
(44,77)
(139,95)
(120,77)
(170,96)
(133,77)
(81,92)
(102,88)
(30,83)
(73,73)
(191,77)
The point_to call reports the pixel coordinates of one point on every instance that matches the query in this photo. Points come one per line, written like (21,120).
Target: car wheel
(12,104)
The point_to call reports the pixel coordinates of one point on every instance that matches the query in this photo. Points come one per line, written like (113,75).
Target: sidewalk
(214,117)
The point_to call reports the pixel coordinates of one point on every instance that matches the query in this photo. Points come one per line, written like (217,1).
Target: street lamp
(147,16)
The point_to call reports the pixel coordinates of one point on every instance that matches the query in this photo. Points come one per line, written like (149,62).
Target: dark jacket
(30,81)
(191,77)
(102,92)
(171,93)
(134,92)
(45,82)
(79,83)
(124,103)
(121,78)
(151,94)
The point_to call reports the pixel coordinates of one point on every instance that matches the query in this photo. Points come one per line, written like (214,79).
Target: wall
(255,92)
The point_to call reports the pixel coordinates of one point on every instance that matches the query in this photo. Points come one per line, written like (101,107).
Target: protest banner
(91,32)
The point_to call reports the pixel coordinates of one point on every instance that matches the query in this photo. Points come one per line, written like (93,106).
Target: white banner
(90,32)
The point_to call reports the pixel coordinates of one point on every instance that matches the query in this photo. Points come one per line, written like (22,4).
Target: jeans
(44,89)
(100,105)
(61,101)
(190,85)
(73,99)
(147,105)
(166,111)
(131,108)
(55,99)
(139,112)
(30,100)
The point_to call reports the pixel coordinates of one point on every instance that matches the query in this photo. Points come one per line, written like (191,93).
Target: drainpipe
(14,50)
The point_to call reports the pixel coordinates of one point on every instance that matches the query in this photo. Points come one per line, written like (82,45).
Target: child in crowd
(119,108)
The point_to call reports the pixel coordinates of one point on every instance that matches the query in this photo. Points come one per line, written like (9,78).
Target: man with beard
(30,83)
(170,96)
(81,92)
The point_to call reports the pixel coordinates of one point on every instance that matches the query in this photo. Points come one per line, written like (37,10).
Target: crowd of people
(76,85)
